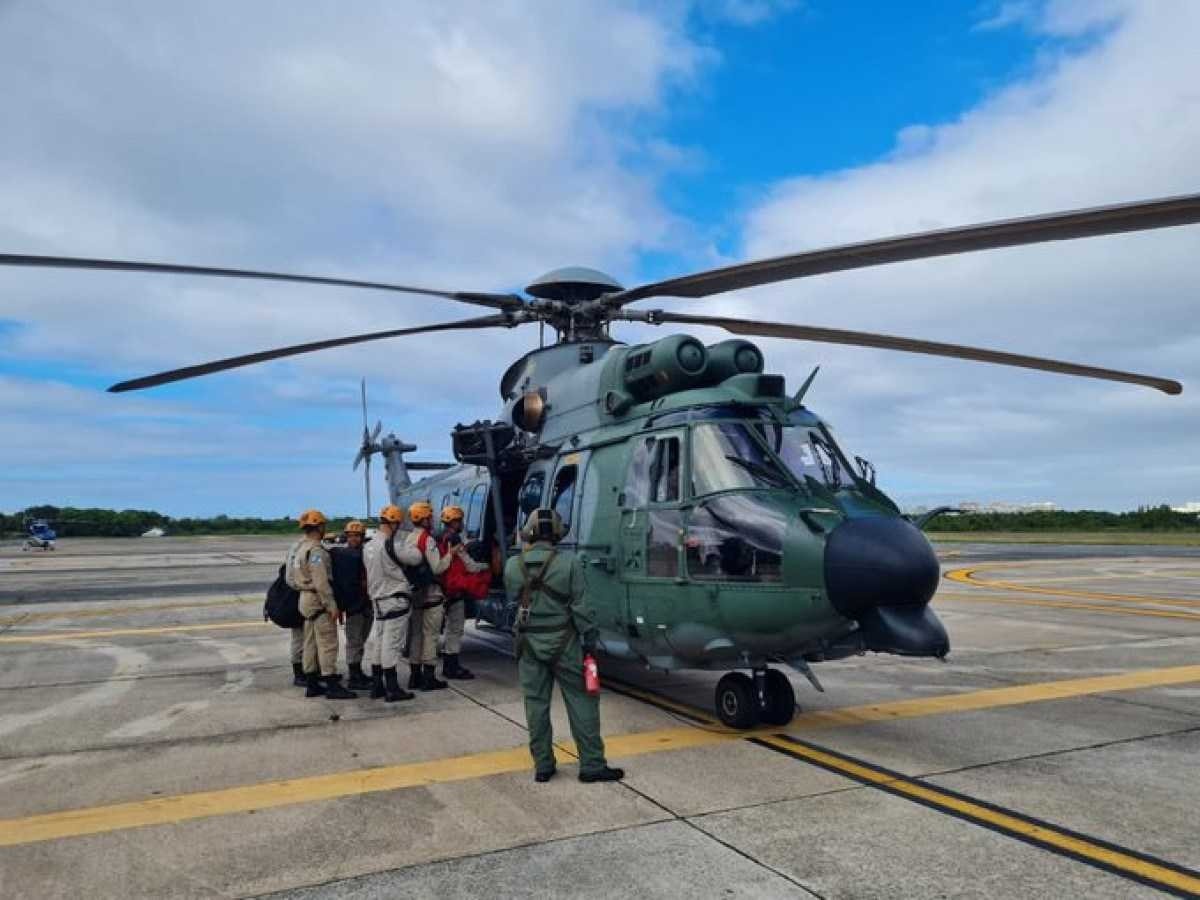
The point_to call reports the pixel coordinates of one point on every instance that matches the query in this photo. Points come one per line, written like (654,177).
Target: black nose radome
(878,561)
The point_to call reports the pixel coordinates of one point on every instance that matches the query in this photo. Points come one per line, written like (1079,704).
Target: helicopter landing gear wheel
(780,703)
(735,701)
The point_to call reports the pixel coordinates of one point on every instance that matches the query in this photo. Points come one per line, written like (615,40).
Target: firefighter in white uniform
(392,603)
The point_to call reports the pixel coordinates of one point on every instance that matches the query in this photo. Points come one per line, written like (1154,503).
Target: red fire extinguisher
(591,675)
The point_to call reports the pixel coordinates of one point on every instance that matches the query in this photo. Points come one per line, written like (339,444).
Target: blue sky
(461,147)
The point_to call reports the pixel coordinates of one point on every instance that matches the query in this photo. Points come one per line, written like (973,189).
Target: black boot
(451,668)
(334,689)
(414,676)
(377,691)
(608,773)
(394,691)
(429,679)
(298,675)
(358,681)
(313,681)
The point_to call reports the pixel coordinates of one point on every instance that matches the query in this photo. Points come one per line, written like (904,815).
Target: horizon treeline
(1144,518)
(93,522)
(69,521)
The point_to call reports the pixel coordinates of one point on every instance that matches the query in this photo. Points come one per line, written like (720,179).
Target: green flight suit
(549,650)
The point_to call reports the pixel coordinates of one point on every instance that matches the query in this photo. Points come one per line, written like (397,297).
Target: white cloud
(1118,120)
(459,145)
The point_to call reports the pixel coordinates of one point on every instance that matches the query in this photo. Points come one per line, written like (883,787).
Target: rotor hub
(573,285)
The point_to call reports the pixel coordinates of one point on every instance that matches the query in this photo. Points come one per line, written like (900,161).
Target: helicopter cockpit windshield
(808,451)
(725,456)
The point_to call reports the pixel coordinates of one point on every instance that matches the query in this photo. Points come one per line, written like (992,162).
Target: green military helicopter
(721,525)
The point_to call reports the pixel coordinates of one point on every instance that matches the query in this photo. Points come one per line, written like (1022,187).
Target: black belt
(395,613)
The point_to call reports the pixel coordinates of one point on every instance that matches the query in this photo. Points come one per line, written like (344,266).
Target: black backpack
(283,603)
(347,582)
(418,576)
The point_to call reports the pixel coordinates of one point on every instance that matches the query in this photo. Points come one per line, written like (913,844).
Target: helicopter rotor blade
(1060,226)
(375,432)
(233,362)
(477,298)
(907,345)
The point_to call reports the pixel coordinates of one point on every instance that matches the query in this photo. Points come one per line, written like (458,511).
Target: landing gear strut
(743,702)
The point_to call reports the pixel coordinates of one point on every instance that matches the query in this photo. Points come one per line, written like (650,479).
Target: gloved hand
(454,539)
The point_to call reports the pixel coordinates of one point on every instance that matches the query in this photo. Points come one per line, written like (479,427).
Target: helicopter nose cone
(878,561)
(883,573)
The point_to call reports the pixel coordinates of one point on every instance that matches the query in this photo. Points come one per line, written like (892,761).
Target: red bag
(458,582)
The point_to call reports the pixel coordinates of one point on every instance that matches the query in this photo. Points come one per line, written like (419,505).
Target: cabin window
(475,511)
(562,498)
(531,494)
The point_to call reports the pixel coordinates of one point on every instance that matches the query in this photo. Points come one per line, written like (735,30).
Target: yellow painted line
(198,603)
(289,792)
(1078,846)
(990,698)
(967,576)
(52,637)
(204,804)
(1066,604)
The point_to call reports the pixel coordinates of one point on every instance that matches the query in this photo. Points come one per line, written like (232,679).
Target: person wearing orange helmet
(392,599)
(428,612)
(309,571)
(451,545)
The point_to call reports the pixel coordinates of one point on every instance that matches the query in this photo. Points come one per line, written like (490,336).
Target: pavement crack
(754,860)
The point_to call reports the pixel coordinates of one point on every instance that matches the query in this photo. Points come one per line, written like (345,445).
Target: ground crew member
(392,599)
(309,571)
(556,627)
(451,545)
(350,591)
(427,620)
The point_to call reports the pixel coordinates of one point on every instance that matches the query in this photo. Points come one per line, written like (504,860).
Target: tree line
(72,522)
(1144,518)
(69,521)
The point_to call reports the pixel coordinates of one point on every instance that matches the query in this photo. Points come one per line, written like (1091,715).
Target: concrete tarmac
(151,744)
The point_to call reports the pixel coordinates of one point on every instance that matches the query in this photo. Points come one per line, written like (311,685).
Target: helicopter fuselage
(719,523)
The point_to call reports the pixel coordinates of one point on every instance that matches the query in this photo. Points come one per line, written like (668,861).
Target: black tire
(781,699)
(735,702)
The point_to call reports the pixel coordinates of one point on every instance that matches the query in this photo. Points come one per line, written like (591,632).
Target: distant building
(1000,506)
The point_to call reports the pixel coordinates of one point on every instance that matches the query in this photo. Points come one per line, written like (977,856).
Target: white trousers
(385,646)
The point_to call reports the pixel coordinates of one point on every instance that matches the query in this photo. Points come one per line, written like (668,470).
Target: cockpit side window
(665,474)
(637,480)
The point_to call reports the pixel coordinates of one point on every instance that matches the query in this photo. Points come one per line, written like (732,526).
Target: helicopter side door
(653,508)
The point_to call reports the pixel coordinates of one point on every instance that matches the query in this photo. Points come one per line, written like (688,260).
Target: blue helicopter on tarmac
(41,536)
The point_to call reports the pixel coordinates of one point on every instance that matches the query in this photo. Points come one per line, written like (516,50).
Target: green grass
(1152,538)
